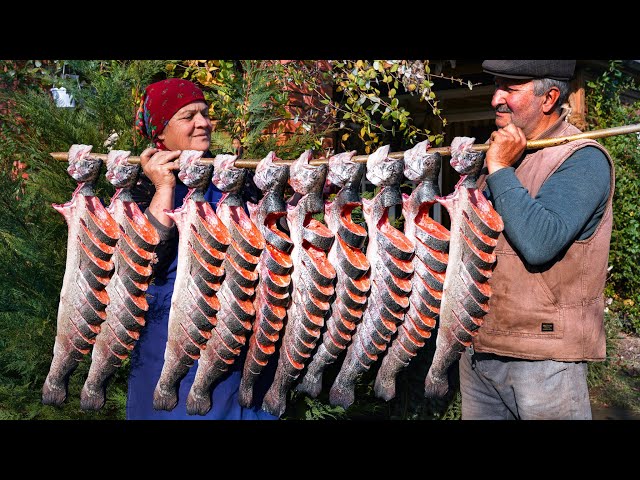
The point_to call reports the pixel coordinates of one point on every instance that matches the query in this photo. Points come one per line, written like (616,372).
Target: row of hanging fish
(278,281)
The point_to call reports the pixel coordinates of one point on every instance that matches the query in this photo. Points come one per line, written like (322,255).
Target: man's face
(514,102)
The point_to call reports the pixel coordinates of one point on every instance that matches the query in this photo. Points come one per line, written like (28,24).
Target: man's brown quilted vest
(556,313)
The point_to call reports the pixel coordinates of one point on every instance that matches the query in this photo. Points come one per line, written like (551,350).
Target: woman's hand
(158,166)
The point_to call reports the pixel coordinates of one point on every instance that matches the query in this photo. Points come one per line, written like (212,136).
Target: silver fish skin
(226,176)
(312,280)
(390,255)
(237,313)
(352,269)
(203,241)
(193,173)
(274,268)
(475,227)
(431,241)
(92,236)
(120,173)
(83,168)
(133,259)
(466,161)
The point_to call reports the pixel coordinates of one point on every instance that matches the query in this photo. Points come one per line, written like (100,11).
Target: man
(546,311)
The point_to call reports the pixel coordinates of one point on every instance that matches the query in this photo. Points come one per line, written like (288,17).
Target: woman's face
(189,129)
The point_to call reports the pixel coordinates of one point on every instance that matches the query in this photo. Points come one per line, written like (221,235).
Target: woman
(174,115)
(238,149)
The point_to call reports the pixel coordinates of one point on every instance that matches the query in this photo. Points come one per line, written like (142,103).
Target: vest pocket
(521,303)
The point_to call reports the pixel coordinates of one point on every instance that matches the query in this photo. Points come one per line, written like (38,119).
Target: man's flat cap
(528,69)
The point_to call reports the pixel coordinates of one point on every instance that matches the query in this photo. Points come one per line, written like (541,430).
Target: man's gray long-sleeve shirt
(568,206)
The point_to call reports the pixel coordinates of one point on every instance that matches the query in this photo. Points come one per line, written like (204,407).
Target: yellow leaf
(345,136)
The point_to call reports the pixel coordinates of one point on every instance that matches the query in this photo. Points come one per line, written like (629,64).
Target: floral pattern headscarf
(160,102)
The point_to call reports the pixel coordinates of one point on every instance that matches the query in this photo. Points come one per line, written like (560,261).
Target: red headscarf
(160,102)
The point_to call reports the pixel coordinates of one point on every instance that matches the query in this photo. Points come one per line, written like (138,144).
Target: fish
(133,261)
(352,269)
(274,269)
(92,234)
(390,255)
(237,313)
(202,244)
(431,241)
(475,227)
(312,279)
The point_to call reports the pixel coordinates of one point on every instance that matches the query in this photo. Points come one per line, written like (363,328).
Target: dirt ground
(619,398)
(628,353)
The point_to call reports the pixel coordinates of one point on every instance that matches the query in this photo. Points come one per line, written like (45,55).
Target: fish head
(121,173)
(82,166)
(193,173)
(270,175)
(343,170)
(382,170)
(420,164)
(226,177)
(464,159)
(305,178)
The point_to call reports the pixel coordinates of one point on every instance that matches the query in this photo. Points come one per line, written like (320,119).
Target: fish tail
(92,396)
(54,390)
(245,391)
(275,401)
(104,363)
(54,393)
(385,384)
(435,387)
(198,401)
(94,390)
(342,391)
(250,373)
(165,397)
(311,383)
(209,371)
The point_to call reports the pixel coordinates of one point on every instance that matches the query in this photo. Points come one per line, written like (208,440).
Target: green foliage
(33,235)
(408,404)
(599,371)
(607,109)
(357,100)
(312,409)
(108,94)
(366,110)
(248,99)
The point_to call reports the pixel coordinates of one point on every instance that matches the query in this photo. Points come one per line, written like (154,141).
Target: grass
(614,385)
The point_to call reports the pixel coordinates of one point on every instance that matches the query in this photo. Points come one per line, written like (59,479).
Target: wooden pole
(480,147)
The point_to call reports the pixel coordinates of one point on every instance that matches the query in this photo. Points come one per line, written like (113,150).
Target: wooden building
(469,113)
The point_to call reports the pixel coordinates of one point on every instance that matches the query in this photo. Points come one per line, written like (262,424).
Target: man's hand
(507,145)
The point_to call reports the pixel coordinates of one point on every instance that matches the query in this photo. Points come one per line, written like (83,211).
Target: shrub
(606,108)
